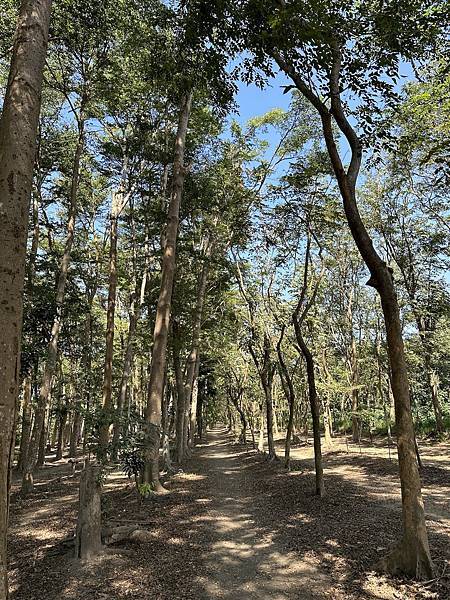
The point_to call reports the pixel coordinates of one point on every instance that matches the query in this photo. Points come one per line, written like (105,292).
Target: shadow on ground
(234,527)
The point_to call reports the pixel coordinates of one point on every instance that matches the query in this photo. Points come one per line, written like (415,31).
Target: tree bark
(61,427)
(192,363)
(194,404)
(160,334)
(289,392)
(412,555)
(315,410)
(180,422)
(88,541)
(18,131)
(126,373)
(26,422)
(235,400)
(110,319)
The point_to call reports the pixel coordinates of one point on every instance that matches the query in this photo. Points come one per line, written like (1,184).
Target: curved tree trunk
(235,401)
(412,555)
(269,420)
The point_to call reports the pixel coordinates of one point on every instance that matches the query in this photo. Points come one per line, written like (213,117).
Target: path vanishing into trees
(246,560)
(235,526)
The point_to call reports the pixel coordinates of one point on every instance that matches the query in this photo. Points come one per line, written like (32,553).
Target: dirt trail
(244,560)
(234,527)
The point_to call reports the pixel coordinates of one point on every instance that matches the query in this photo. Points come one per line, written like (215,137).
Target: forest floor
(236,527)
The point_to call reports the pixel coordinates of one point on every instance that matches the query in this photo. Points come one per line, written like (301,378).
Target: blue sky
(253,101)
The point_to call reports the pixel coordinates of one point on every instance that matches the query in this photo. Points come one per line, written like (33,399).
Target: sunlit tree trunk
(158,364)
(315,410)
(289,392)
(26,422)
(18,130)
(412,555)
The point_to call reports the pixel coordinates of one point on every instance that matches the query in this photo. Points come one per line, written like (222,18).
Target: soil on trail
(234,526)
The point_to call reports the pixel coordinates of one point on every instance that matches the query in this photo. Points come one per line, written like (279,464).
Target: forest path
(234,526)
(245,559)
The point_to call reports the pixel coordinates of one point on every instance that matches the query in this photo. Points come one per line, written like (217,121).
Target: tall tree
(18,131)
(160,335)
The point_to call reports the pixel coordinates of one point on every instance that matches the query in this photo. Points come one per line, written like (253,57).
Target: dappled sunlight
(234,527)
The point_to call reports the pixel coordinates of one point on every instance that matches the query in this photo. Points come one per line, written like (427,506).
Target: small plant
(132,464)
(145,489)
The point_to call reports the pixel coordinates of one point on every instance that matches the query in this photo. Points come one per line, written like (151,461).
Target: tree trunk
(353,366)
(289,392)
(134,314)
(26,422)
(158,364)
(261,429)
(192,363)
(180,422)
(52,352)
(61,427)
(167,460)
(269,420)
(75,432)
(200,401)
(315,410)
(110,318)
(433,385)
(194,403)
(412,555)
(327,422)
(18,131)
(88,541)
(235,401)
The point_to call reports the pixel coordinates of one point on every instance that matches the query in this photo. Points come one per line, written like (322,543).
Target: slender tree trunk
(61,427)
(192,363)
(289,392)
(327,422)
(236,403)
(75,431)
(327,417)
(412,556)
(110,319)
(180,421)
(26,422)
(158,364)
(124,381)
(269,420)
(200,401)
(167,460)
(194,403)
(354,389)
(52,352)
(433,385)
(18,131)
(315,410)
(261,429)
